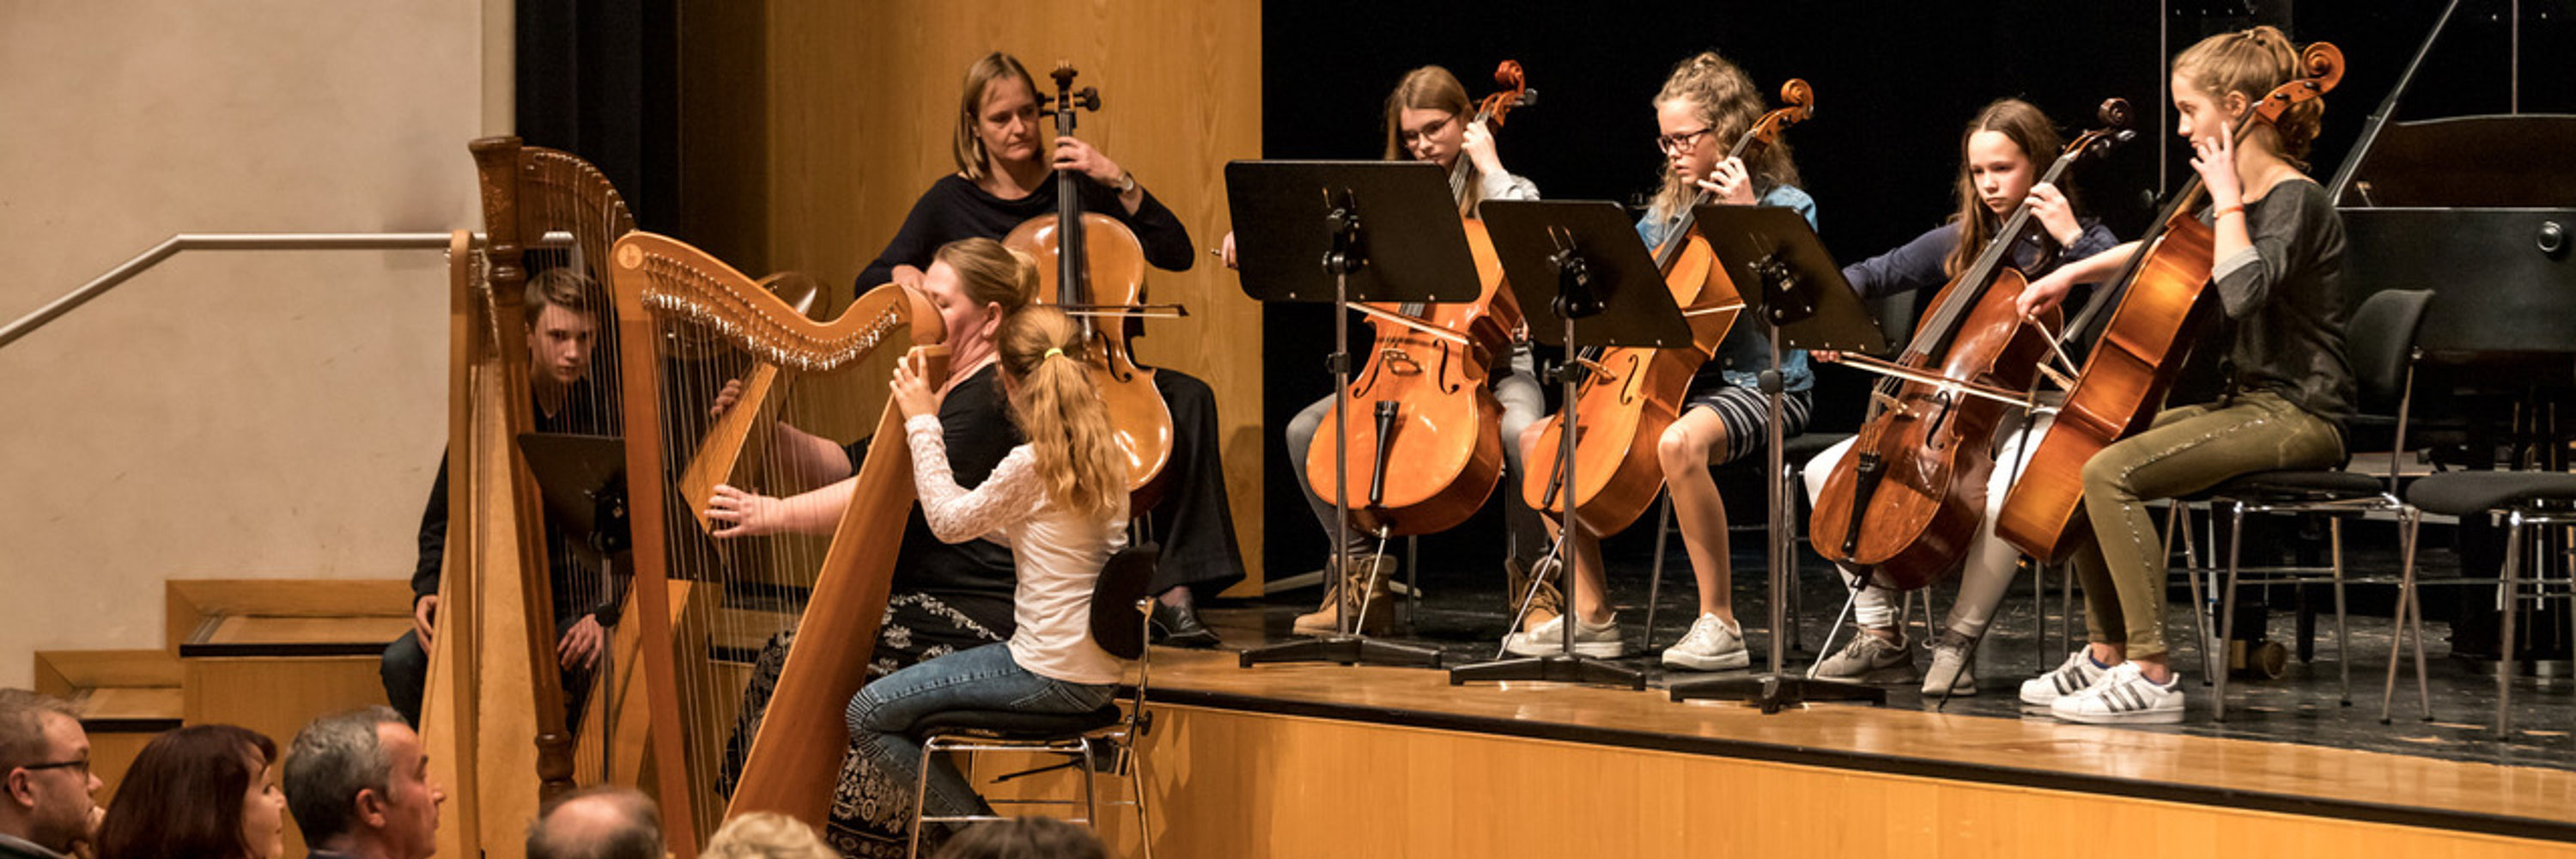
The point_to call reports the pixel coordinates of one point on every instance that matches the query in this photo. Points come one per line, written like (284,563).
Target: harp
(687,324)
(493,715)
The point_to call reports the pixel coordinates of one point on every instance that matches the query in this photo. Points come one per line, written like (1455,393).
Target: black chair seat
(1007,725)
(2467,493)
(2296,485)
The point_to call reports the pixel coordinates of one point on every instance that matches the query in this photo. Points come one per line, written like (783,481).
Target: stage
(1326,760)
(1323,760)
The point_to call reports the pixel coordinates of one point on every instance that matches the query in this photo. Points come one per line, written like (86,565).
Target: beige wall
(845,115)
(227,414)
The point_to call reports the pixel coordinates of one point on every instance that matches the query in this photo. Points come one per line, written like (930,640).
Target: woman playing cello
(2275,264)
(1706,103)
(1004,177)
(2001,155)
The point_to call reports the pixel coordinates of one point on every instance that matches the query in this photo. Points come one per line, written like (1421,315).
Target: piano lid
(2508,161)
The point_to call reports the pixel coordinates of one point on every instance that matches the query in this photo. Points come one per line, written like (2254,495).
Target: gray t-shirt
(2285,297)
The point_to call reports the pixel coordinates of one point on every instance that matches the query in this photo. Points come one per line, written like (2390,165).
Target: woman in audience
(199,792)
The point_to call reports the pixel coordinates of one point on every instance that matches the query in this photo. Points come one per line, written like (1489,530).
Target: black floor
(1461,611)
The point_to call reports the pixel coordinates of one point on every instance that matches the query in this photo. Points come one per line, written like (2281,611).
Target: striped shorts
(1747,416)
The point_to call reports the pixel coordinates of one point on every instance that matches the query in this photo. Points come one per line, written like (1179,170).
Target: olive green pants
(2189,449)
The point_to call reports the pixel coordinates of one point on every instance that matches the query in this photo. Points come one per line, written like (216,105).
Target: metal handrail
(237,242)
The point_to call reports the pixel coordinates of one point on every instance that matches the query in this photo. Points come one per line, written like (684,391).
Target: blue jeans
(884,712)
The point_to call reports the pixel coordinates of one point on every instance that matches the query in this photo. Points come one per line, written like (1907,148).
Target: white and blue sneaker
(2078,674)
(2124,695)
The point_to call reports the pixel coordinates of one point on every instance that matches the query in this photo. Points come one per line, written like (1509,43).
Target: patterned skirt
(870,808)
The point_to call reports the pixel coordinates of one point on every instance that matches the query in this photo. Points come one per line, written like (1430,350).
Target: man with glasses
(44,758)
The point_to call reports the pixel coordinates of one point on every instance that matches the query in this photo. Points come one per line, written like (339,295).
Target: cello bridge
(1400,361)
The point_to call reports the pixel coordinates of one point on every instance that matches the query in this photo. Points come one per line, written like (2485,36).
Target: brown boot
(1545,605)
(1369,577)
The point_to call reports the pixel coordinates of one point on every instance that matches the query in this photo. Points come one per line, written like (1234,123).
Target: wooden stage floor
(1323,760)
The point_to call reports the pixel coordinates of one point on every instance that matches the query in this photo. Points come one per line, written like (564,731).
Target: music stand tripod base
(1342,649)
(1557,668)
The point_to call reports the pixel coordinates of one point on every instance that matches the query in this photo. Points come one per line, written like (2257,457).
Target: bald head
(599,823)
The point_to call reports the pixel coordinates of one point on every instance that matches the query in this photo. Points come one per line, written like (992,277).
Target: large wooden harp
(493,714)
(689,324)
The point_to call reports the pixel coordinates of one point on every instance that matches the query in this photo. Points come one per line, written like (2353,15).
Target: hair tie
(1052,352)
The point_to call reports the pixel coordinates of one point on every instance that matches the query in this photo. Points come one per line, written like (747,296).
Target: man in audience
(598,823)
(44,756)
(359,785)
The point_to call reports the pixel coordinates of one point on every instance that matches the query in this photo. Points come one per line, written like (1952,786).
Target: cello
(1426,379)
(1904,507)
(1077,270)
(1630,395)
(2163,293)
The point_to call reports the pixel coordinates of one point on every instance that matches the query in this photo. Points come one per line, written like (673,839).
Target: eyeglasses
(1674,144)
(81,764)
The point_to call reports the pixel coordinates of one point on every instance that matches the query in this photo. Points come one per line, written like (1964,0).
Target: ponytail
(1040,352)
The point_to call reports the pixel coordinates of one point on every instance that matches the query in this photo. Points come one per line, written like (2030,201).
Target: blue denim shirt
(1746,351)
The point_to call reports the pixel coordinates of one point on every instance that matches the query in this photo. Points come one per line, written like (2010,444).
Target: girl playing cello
(1705,104)
(2275,264)
(2001,155)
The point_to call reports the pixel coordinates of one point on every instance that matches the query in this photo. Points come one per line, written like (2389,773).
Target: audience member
(360,787)
(199,792)
(598,823)
(44,756)
(767,835)
(1024,838)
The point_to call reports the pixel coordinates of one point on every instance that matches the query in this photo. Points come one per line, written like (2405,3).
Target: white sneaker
(1600,641)
(2124,695)
(1950,668)
(1866,654)
(2079,673)
(1710,646)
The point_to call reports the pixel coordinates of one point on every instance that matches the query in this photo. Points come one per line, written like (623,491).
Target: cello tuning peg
(1088,98)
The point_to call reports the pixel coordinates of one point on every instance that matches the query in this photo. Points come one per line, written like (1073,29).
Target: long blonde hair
(2023,124)
(1431,88)
(968,147)
(2253,62)
(1040,351)
(1724,97)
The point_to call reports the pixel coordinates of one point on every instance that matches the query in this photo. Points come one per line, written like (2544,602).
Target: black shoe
(1179,626)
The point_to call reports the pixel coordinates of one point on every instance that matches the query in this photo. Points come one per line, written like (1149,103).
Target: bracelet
(2230,209)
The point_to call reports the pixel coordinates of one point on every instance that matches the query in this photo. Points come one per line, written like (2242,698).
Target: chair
(2524,498)
(2380,341)
(1121,623)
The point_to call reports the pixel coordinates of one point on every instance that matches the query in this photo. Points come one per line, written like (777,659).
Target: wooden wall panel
(859,100)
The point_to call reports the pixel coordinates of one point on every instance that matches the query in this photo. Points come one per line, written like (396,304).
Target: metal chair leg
(2407,600)
(2227,604)
(1655,585)
(920,797)
(1090,790)
(2343,632)
(2512,606)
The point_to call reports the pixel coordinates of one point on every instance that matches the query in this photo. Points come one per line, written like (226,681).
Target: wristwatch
(1126,181)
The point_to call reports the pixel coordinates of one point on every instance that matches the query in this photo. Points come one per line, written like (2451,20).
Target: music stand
(1344,231)
(1792,286)
(1584,280)
(582,481)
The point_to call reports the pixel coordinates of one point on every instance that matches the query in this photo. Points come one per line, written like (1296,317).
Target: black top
(955,209)
(1918,264)
(975,421)
(2285,296)
(577,587)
